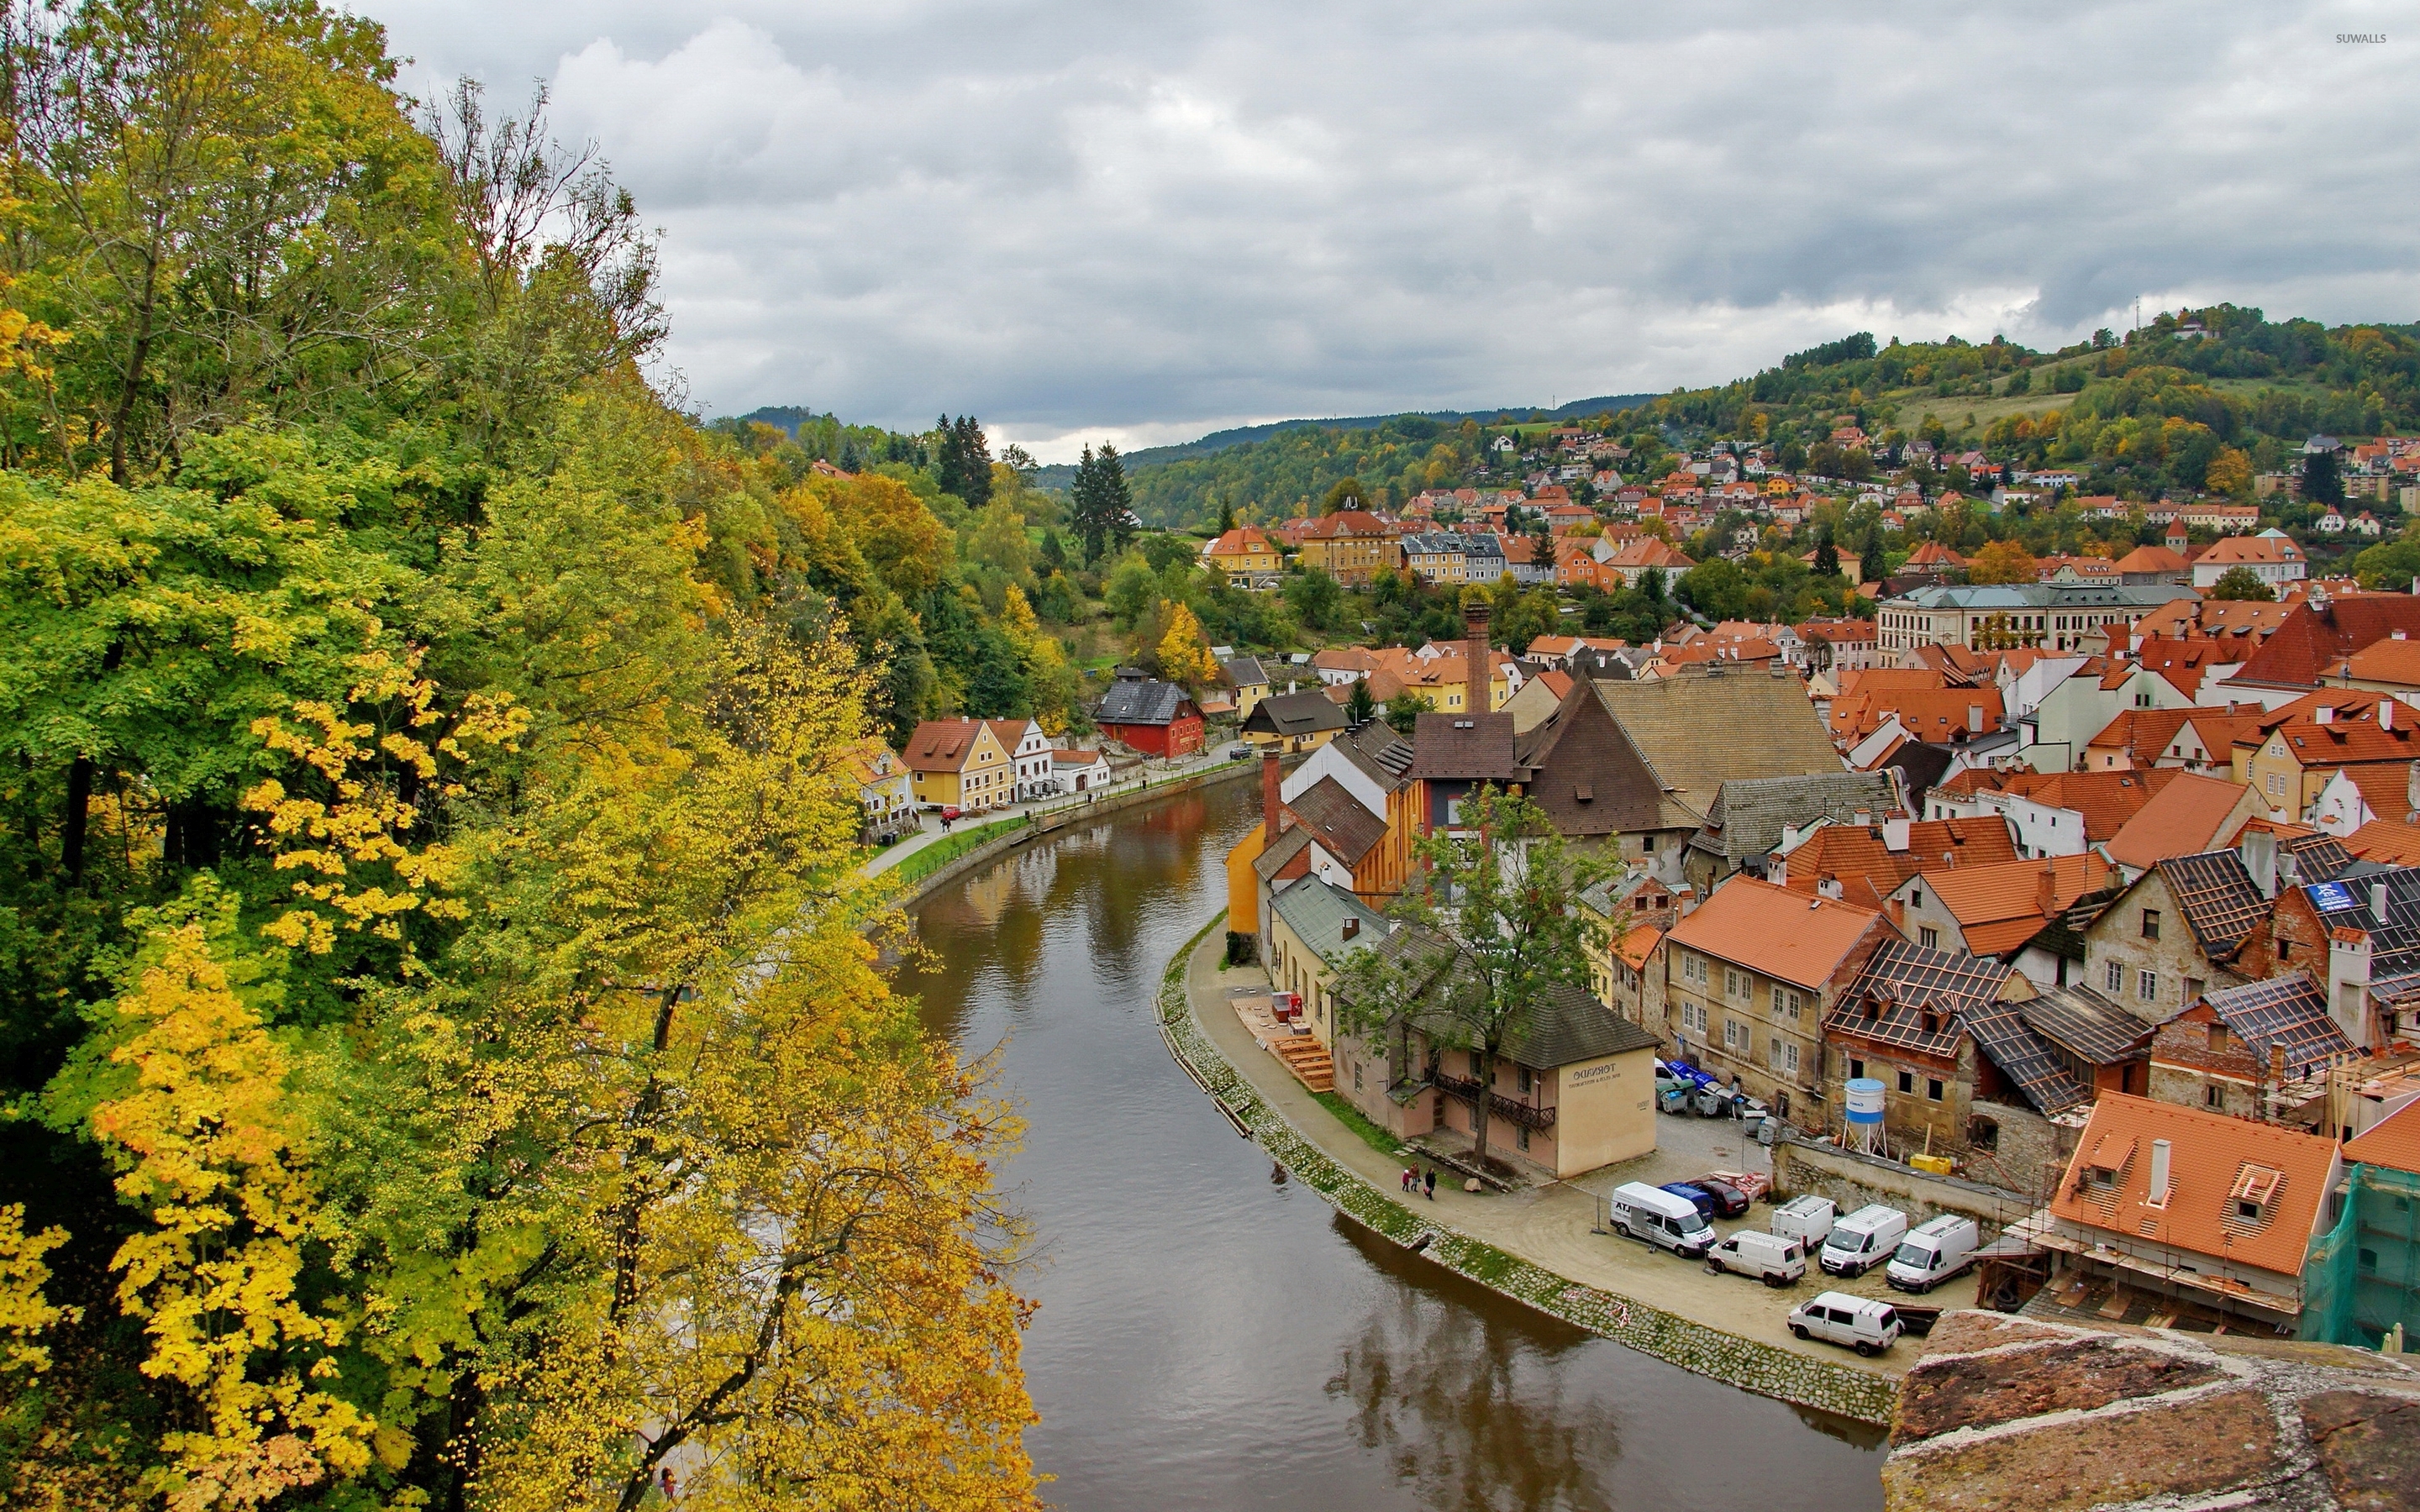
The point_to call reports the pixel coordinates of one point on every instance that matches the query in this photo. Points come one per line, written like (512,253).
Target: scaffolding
(2364,1275)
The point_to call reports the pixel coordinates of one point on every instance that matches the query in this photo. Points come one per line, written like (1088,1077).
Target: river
(1214,1335)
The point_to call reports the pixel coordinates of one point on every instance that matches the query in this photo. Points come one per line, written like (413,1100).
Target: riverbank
(1046,820)
(1535,1247)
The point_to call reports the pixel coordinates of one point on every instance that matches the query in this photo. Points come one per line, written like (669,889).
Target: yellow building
(1243,553)
(1351,546)
(960,764)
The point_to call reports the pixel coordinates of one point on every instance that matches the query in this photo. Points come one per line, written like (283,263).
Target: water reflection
(1212,1335)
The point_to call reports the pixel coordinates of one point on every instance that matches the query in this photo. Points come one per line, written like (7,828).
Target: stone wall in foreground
(2012,1413)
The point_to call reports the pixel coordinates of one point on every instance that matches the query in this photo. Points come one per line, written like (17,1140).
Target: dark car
(1708,1206)
(1730,1199)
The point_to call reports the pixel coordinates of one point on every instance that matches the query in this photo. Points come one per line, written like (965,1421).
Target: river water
(1214,1335)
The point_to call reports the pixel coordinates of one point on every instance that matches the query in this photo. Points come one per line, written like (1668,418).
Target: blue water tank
(1865,1104)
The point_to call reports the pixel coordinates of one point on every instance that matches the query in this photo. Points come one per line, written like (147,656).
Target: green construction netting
(2364,1275)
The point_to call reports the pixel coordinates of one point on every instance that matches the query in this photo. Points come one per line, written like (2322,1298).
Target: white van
(1769,1257)
(1807,1219)
(1932,1252)
(1863,1240)
(1864,1324)
(1659,1218)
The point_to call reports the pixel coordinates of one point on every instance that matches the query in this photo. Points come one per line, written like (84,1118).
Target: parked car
(1932,1252)
(1807,1219)
(949,815)
(1864,1324)
(1660,1220)
(1239,750)
(1771,1258)
(1708,1206)
(1729,1201)
(1863,1240)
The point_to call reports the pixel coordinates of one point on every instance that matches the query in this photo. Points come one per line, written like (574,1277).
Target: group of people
(1416,1181)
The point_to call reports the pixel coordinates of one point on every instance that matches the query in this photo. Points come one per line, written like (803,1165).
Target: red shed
(1152,717)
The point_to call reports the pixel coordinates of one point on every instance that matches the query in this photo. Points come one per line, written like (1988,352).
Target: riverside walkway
(1551,1227)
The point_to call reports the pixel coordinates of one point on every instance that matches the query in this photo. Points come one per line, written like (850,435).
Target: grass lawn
(1370,1134)
(942,852)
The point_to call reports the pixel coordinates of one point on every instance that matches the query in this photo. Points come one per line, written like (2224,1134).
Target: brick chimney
(1270,806)
(1478,665)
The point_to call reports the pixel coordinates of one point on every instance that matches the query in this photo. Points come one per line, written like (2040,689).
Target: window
(1737,1037)
(2248,1211)
(1735,984)
(2276,784)
(2209,1096)
(2147,986)
(2151,923)
(1528,1080)
(1915,896)
(1356,1075)
(1788,1003)
(1929,937)
(1523,1135)
(1933,1088)
(2285,951)
(2117,978)
(1907,1081)
(1856,1068)
(1789,1061)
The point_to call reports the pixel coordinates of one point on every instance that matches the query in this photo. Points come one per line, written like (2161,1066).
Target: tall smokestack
(1478,667)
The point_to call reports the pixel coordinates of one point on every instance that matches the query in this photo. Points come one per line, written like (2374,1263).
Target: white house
(885,791)
(1078,771)
(1028,752)
(2271,556)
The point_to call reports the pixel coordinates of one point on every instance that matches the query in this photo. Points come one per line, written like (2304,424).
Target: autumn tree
(1184,652)
(1488,926)
(2003,562)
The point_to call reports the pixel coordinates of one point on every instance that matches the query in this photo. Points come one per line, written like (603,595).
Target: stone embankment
(1748,1364)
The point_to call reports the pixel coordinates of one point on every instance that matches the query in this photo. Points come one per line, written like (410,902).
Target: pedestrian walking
(1431,1180)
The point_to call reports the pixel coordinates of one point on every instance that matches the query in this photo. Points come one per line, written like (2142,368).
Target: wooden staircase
(1310,1064)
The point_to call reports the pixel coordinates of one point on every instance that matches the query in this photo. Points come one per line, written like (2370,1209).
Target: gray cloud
(1147,220)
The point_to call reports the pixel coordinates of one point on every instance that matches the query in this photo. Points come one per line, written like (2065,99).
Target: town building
(1248,680)
(1351,546)
(960,764)
(1028,758)
(886,792)
(2212,1212)
(2175,933)
(2053,615)
(2013,912)
(2271,556)
(1749,975)
(1078,771)
(1291,723)
(1244,556)
(2255,1050)
(1151,717)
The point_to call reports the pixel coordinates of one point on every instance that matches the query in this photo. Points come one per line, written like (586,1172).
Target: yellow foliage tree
(2229,472)
(1183,650)
(2002,561)
(203,1139)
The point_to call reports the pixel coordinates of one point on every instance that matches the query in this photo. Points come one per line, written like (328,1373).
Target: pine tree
(1226,517)
(1827,558)
(1088,509)
(1873,567)
(1360,705)
(1116,501)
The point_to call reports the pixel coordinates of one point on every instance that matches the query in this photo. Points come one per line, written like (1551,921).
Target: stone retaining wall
(1744,1362)
(1851,1181)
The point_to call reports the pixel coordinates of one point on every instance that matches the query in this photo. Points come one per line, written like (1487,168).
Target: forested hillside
(448,1065)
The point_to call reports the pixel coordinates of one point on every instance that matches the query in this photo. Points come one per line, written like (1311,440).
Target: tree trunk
(76,819)
(1479,1107)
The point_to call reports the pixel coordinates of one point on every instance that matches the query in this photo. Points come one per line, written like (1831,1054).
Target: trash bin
(1768,1130)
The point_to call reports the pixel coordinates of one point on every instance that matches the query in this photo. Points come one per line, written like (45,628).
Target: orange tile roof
(1998,907)
(2347,742)
(1926,713)
(1633,949)
(2152,559)
(2393,1141)
(2210,1156)
(2250,548)
(1875,679)
(2186,663)
(941,745)
(1934,554)
(2141,735)
(2395,659)
(1557,681)
(1776,932)
(2387,841)
(2187,817)
(2385,786)
(2105,799)
(1244,540)
(1861,861)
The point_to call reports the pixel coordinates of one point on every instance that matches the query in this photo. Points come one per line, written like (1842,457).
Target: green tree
(1314,598)
(2242,584)
(1405,709)
(1716,589)
(1345,494)
(1827,558)
(1873,565)
(2321,483)
(1360,705)
(1490,925)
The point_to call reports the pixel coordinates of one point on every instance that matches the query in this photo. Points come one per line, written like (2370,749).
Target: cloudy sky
(1085,220)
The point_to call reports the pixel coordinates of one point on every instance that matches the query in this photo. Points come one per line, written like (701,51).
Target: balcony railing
(1523,1114)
